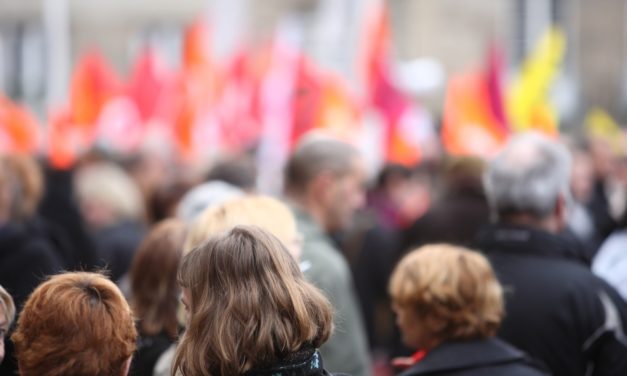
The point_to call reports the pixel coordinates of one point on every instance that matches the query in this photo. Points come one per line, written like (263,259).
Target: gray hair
(528,176)
(314,156)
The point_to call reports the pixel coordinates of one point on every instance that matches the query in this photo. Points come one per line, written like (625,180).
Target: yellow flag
(528,104)
(599,124)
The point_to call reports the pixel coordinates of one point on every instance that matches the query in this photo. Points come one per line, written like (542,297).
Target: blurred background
(390,75)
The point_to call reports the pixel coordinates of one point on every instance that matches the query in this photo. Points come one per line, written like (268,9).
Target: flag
(528,101)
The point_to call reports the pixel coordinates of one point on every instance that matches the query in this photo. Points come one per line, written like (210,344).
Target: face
(346,194)
(410,327)
(3,330)
(183,314)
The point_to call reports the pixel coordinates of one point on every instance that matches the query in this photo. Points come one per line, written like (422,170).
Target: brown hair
(28,184)
(453,290)
(249,305)
(154,291)
(75,324)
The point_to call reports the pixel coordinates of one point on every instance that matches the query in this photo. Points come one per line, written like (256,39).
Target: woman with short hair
(7,314)
(449,306)
(75,324)
(250,310)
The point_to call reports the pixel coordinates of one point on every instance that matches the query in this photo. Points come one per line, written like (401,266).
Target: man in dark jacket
(556,309)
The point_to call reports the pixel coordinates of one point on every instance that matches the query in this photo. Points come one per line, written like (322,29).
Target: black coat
(487,357)
(25,261)
(556,310)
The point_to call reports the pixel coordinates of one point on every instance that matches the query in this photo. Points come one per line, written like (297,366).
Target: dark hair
(154,291)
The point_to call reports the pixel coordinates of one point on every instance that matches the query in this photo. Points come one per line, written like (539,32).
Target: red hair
(75,324)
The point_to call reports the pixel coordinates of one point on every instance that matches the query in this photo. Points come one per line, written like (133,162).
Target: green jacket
(324,266)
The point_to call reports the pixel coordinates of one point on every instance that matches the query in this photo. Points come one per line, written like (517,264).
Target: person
(250,310)
(324,184)
(449,306)
(7,315)
(24,257)
(461,211)
(254,210)
(557,311)
(75,324)
(155,293)
(113,207)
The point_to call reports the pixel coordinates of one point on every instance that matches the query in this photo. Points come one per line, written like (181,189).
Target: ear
(126,366)
(321,185)
(560,212)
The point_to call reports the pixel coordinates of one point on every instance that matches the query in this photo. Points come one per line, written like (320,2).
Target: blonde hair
(109,185)
(453,290)
(249,306)
(255,210)
(7,305)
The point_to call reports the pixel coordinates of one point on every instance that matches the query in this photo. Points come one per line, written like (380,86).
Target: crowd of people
(459,266)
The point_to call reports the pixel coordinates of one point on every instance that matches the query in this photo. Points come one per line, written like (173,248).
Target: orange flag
(19,131)
(469,126)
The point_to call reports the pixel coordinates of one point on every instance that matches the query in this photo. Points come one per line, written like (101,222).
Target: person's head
(75,324)
(28,185)
(326,177)
(108,195)
(239,171)
(154,290)
(7,314)
(204,196)
(248,305)
(443,292)
(528,182)
(255,210)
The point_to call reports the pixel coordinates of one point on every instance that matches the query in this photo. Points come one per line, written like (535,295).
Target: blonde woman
(449,306)
(250,310)
(7,314)
(255,210)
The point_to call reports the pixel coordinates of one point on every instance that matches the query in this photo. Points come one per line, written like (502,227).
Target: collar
(306,362)
(523,240)
(457,355)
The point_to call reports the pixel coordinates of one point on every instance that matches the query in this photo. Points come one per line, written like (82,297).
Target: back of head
(452,290)
(238,171)
(107,185)
(75,324)
(314,155)
(249,305)
(255,210)
(204,196)
(154,290)
(28,185)
(8,310)
(528,176)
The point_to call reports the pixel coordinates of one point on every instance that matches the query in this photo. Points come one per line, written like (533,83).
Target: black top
(556,310)
(480,357)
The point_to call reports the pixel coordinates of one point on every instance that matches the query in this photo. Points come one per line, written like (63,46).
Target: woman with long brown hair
(155,293)
(250,310)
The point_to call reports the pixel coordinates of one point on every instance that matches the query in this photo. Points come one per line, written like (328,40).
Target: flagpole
(56,17)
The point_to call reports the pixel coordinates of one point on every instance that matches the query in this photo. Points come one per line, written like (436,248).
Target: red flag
(402,144)
(93,84)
